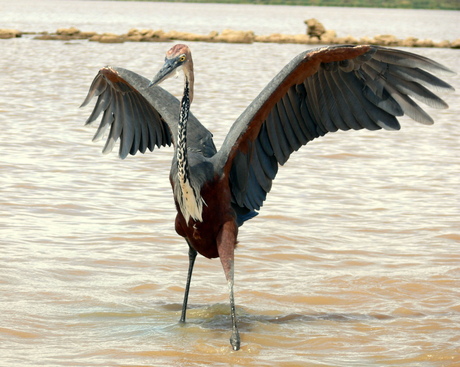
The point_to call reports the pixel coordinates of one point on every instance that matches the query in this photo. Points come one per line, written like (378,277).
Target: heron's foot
(235,340)
(182,317)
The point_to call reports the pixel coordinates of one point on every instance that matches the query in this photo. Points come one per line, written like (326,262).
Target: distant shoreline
(386,4)
(226,36)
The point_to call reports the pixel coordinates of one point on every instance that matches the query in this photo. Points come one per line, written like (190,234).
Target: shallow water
(353,260)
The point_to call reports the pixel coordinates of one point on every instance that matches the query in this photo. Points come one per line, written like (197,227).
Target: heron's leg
(191,261)
(226,242)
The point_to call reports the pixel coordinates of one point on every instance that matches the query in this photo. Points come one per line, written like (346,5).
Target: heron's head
(177,58)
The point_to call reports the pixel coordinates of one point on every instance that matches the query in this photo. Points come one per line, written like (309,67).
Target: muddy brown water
(354,259)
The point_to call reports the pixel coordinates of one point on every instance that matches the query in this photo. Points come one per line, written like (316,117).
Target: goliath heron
(215,191)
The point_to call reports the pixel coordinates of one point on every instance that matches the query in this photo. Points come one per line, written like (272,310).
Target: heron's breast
(217,210)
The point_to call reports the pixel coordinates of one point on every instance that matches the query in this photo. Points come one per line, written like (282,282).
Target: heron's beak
(165,72)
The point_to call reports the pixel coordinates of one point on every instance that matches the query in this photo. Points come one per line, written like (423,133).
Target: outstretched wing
(321,91)
(139,116)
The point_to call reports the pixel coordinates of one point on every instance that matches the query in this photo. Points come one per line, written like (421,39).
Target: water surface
(353,261)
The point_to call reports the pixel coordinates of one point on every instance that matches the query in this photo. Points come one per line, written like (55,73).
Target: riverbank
(396,4)
(227,35)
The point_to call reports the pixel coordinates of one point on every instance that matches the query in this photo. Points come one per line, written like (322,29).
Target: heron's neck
(182,158)
(190,201)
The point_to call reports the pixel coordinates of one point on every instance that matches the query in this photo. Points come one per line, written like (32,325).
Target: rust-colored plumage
(203,235)
(319,91)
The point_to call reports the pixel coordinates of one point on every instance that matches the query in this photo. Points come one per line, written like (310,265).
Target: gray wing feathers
(127,109)
(365,92)
(140,117)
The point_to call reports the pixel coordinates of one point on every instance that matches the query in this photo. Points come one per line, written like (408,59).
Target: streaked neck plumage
(189,199)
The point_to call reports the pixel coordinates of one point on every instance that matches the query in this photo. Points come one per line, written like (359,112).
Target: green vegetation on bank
(404,4)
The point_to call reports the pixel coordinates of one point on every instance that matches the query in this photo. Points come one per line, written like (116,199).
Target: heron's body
(202,235)
(216,191)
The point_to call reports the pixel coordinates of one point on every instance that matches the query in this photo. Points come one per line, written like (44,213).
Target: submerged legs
(235,338)
(191,261)
(226,242)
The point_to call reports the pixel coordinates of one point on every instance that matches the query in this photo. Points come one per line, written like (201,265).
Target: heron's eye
(182,58)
